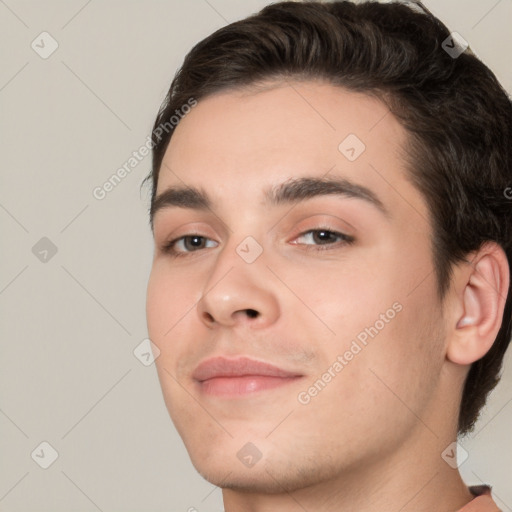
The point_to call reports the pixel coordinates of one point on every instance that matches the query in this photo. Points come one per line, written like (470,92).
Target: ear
(481,288)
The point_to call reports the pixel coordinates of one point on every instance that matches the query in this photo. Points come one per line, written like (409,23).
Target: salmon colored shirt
(482,502)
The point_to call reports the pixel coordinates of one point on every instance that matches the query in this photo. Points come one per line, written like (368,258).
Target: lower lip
(244,385)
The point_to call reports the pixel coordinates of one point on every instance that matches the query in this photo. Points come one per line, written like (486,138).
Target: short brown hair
(457,116)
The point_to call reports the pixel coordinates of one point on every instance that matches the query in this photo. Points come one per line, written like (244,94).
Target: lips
(224,377)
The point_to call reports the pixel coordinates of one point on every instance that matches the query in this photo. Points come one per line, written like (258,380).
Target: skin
(372,438)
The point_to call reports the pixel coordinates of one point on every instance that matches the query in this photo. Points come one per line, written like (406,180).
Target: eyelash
(168,248)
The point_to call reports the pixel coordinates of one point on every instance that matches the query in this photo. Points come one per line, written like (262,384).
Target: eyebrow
(291,191)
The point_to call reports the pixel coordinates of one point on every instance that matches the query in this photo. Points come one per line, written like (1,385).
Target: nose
(238,293)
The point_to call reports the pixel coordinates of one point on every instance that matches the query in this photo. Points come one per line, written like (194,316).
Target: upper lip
(224,367)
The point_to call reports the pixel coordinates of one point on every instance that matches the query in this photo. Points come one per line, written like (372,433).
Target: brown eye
(192,242)
(325,237)
(186,244)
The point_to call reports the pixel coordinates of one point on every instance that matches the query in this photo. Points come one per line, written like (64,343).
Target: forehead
(235,144)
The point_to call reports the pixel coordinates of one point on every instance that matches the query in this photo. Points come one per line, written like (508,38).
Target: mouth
(238,377)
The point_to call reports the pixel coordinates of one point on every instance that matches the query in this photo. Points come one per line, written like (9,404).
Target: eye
(323,237)
(186,244)
(315,239)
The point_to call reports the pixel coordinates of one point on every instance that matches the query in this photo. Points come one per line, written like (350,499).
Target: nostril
(252,313)
(208,317)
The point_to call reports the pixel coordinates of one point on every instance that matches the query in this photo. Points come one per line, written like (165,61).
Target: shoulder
(482,502)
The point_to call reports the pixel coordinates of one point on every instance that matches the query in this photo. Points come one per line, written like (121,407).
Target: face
(313,255)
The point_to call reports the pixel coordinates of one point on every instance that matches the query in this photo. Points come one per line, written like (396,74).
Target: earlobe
(485,281)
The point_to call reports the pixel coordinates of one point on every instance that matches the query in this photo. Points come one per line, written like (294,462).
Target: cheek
(393,372)
(157,303)
(347,295)
(406,357)
(169,306)
(170,300)
(379,312)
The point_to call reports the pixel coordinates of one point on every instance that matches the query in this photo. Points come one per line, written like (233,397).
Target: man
(330,290)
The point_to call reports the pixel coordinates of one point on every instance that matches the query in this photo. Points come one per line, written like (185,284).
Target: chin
(269,475)
(248,480)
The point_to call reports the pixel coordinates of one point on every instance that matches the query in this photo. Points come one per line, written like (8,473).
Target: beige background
(70,325)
